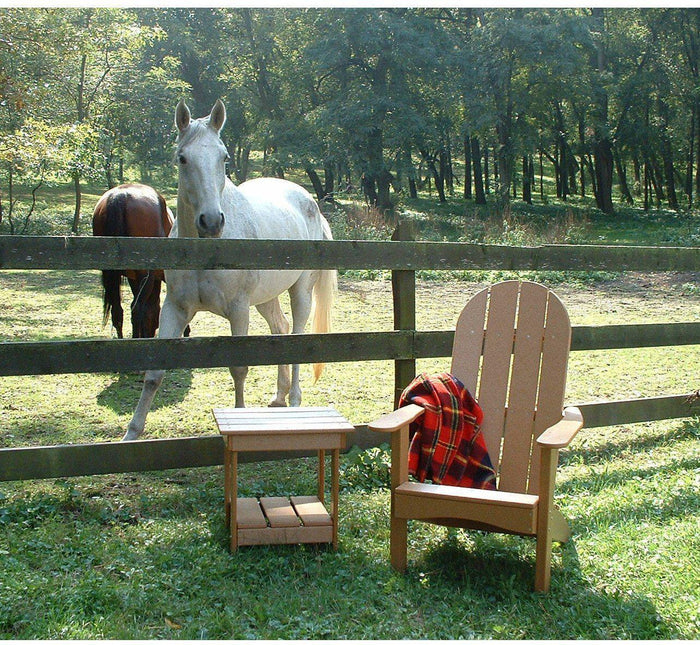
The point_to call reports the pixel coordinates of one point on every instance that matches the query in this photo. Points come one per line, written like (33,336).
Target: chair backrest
(511,350)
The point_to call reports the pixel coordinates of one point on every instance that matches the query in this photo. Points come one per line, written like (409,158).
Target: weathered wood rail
(27,252)
(404,345)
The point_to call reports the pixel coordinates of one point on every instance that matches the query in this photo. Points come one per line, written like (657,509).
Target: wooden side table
(281,520)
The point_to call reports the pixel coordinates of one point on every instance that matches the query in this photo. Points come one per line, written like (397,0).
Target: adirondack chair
(512,343)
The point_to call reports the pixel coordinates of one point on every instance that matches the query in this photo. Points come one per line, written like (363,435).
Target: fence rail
(404,345)
(29,252)
(76,356)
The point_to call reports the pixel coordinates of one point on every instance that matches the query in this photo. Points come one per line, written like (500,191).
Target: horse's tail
(111,284)
(324,292)
(165,217)
(115,215)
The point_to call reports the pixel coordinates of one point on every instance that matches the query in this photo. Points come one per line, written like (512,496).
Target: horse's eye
(181,159)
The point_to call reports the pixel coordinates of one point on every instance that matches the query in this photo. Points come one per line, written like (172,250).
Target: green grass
(145,556)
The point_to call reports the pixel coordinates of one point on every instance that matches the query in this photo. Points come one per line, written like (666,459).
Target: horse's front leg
(273,314)
(239,319)
(172,322)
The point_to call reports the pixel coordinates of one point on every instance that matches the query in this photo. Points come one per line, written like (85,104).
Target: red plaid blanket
(447,446)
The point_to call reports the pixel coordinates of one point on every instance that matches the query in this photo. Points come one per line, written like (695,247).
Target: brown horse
(133,210)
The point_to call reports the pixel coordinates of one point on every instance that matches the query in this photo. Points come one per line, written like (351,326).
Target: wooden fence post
(403,288)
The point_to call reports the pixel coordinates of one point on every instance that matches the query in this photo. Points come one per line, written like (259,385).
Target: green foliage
(379,96)
(366,469)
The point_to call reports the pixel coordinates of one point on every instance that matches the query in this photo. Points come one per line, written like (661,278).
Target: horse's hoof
(276,404)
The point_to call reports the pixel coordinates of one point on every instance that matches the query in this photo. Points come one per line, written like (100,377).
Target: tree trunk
(316,183)
(646,185)
(467,167)
(328,182)
(637,175)
(407,164)
(78,200)
(242,159)
(438,175)
(376,174)
(622,177)
(560,154)
(486,169)
(697,167)
(667,155)
(527,179)
(479,195)
(603,163)
(691,158)
(541,176)
(369,189)
(669,176)
(384,203)
(602,148)
(656,180)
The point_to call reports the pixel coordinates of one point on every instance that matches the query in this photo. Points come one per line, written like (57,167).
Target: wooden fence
(403,345)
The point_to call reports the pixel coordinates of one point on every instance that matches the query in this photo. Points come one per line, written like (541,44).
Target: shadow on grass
(122,395)
(500,570)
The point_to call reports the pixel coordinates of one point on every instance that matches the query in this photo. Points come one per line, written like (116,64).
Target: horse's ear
(182,115)
(217,118)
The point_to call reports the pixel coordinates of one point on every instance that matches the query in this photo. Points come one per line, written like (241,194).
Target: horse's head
(201,160)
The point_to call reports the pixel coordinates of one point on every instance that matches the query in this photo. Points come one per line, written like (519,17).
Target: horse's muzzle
(210,225)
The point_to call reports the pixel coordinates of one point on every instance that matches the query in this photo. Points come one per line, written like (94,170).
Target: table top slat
(242,421)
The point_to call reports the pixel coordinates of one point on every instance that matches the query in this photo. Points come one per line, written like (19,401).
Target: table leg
(227,478)
(335,490)
(233,489)
(321,475)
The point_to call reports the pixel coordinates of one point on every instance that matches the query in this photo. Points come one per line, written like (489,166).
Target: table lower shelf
(282,520)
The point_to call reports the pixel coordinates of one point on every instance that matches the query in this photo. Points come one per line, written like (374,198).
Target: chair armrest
(562,433)
(397,419)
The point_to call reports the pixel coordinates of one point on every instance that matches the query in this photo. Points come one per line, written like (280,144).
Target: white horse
(209,205)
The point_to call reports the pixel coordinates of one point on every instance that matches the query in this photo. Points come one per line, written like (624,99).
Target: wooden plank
(45,462)
(403,290)
(508,511)
(469,341)
(523,388)
(640,335)
(555,357)
(286,535)
(249,514)
(263,414)
(280,427)
(52,462)
(34,252)
(279,512)
(495,366)
(311,511)
(251,442)
(656,408)
(129,355)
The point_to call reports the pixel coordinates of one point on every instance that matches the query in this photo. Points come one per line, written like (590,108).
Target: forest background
(471,102)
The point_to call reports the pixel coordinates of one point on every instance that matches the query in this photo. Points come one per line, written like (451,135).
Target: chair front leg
(399,475)
(545,507)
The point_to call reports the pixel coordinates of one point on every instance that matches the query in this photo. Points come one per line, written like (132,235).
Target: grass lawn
(145,556)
